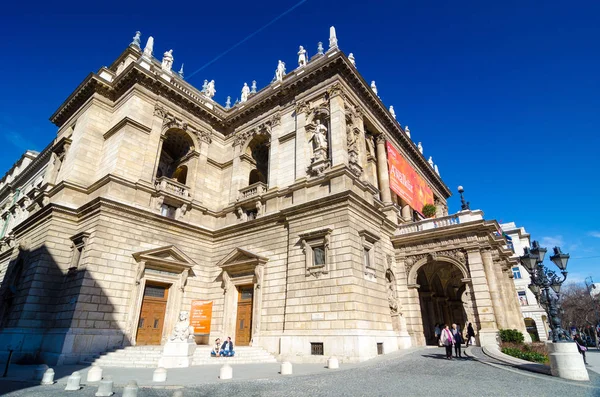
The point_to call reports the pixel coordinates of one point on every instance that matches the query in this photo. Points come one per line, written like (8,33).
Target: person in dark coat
(470,333)
(458,340)
(581,347)
(227,348)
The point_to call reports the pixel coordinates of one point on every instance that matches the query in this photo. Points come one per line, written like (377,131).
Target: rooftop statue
(167,61)
(228,103)
(245,92)
(204,86)
(420,147)
(407,131)
(149,47)
(392,112)
(301,57)
(136,39)
(181,71)
(320,48)
(351,59)
(435,167)
(430,161)
(280,71)
(253,91)
(210,89)
(374,87)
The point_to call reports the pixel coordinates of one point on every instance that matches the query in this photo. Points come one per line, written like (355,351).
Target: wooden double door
(152,314)
(243,334)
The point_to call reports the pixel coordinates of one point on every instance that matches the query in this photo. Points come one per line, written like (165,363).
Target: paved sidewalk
(593,359)
(191,376)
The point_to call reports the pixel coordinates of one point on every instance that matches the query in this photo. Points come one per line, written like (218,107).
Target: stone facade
(149,183)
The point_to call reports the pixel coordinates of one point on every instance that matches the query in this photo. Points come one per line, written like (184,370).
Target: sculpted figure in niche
(319,137)
(392,295)
(182,331)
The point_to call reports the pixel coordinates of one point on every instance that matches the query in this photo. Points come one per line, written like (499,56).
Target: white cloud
(552,241)
(595,234)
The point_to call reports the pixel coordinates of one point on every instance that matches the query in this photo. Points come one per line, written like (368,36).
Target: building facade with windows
(536,319)
(282,211)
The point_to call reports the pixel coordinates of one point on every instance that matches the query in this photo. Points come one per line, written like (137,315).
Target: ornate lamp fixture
(543,280)
(464,204)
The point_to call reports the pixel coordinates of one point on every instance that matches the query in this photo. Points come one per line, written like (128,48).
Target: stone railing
(173,187)
(256,189)
(433,223)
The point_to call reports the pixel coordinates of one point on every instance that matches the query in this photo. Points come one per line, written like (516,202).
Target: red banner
(405,181)
(201,316)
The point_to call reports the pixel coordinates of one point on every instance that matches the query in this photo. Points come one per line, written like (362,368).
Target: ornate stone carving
(301,107)
(182,331)
(390,261)
(411,260)
(334,90)
(392,294)
(275,119)
(204,136)
(242,137)
(380,138)
(160,111)
(456,254)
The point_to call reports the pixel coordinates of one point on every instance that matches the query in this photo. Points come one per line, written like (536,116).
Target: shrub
(534,337)
(511,335)
(429,210)
(525,355)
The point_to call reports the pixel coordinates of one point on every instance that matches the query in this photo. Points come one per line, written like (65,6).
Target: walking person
(580,346)
(437,332)
(458,340)
(447,340)
(470,334)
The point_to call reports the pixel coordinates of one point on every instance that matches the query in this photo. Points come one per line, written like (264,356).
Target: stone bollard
(38,372)
(159,375)
(131,390)
(178,393)
(94,374)
(73,382)
(48,378)
(333,363)
(105,388)
(286,368)
(226,372)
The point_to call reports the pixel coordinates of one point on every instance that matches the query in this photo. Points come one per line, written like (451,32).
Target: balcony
(172,187)
(254,190)
(434,223)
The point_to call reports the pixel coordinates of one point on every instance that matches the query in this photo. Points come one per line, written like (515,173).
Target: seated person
(227,348)
(216,352)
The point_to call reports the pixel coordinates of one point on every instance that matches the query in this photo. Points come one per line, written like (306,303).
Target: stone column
(274,153)
(338,144)
(259,271)
(406,211)
(499,307)
(154,146)
(382,170)
(302,147)
(237,179)
(488,329)
(201,171)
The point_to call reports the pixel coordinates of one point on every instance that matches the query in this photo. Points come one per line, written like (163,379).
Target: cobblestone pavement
(424,372)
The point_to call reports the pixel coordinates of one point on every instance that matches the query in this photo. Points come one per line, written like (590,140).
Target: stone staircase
(148,356)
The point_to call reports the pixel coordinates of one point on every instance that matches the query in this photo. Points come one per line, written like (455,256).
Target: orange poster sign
(201,316)
(405,181)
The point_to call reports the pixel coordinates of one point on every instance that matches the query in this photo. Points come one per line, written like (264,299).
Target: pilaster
(488,329)
(382,170)
(339,147)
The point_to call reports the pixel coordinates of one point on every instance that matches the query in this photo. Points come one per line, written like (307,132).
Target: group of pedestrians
(452,337)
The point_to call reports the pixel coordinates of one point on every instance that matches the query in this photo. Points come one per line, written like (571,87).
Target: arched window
(258,149)
(177,146)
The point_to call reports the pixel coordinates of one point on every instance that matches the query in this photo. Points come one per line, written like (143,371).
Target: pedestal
(177,354)
(566,361)
(487,337)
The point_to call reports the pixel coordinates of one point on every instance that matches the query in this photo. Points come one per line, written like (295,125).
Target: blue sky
(504,96)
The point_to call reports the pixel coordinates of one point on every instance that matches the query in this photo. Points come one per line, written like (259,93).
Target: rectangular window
(319,256)
(155,291)
(168,211)
(523,298)
(366,257)
(516,272)
(316,348)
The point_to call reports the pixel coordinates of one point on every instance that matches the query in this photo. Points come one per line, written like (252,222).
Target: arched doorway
(531,328)
(441,290)
(258,150)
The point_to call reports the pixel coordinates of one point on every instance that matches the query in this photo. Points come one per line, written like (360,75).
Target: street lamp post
(464,205)
(543,280)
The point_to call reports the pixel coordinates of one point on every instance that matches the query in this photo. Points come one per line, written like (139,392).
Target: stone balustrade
(433,223)
(254,190)
(173,187)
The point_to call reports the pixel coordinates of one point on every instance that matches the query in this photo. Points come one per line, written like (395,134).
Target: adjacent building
(534,315)
(293,219)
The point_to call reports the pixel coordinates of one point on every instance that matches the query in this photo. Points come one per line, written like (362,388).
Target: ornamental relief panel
(170,121)
(455,254)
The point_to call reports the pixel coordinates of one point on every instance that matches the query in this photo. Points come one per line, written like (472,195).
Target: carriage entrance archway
(441,295)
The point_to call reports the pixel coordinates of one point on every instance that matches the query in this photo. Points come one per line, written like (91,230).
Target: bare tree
(579,308)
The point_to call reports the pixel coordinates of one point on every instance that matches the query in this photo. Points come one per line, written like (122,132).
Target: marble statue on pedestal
(333,41)
(374,87)
(393,112)
(320,49)
(149,47)
(351,59)
(301,57)
(136,39)
(228,103)
(167,61)
(280,71)
(245,92)
(183,331)
(253,88)
(178,352)
(407,131)
(420,147)
(319,140)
